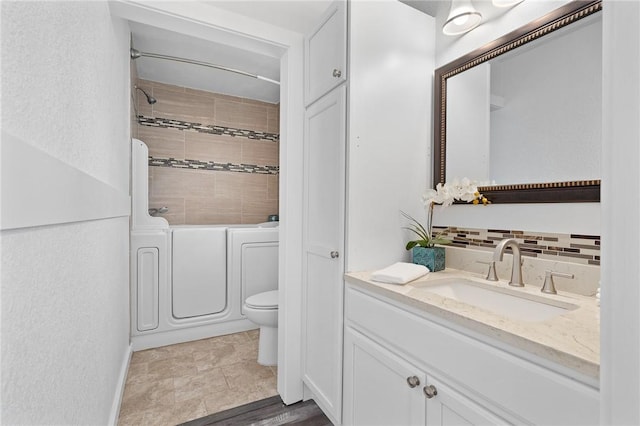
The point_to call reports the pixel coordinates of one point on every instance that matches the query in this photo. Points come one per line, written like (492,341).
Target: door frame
(211,23)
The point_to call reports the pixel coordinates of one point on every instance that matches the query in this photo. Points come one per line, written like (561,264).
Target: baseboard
(321,402)
(122,379)
(188,334)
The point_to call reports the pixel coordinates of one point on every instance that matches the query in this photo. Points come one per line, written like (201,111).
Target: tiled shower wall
(213,157)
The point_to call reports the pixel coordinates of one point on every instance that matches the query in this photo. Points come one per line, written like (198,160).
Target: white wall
(620,325)
(65,320)
(390,104)
(562,218)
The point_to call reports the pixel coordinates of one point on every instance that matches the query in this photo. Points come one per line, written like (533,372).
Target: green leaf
(417,232)
(411,244)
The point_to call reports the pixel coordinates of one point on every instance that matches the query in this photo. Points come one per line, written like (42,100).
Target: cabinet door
(380,388)
(448,407)
(326,53)
(323,243)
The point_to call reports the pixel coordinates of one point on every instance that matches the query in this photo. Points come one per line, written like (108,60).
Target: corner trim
(122,379)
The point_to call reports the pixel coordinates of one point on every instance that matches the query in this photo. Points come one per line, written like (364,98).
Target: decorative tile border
(583,249)
(213,166)
(202,128)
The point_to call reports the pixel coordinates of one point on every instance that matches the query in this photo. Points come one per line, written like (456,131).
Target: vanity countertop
(571,340)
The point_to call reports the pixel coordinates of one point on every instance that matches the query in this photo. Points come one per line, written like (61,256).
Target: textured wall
(65,287)
(204,196)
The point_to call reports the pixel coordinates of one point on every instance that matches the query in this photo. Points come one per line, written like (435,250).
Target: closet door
(323,245)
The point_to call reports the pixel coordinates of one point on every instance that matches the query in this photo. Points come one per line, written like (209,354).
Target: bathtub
(189,282)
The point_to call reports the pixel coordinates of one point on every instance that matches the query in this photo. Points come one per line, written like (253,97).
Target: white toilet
(262,309)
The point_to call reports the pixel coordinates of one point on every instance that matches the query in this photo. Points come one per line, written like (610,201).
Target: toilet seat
(266,300)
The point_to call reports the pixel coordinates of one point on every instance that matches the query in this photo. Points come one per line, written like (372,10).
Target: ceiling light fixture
(462,18)
(506,3)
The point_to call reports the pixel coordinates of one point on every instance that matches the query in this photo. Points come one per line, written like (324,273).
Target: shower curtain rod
(135,54)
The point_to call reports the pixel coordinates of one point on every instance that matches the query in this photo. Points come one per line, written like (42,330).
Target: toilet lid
(266,300)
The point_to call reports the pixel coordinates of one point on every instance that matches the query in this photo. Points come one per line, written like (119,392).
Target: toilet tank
(252,261)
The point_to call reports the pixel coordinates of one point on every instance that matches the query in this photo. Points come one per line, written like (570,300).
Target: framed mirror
(523,113)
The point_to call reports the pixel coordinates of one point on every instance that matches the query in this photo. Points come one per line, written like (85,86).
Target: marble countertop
(571,339)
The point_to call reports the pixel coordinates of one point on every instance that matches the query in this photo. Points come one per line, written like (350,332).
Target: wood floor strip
(266,412)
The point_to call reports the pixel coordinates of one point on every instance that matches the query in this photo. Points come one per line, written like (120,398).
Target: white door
(380,388)
(326,53)
(199,271)
(446,407)
(323,243)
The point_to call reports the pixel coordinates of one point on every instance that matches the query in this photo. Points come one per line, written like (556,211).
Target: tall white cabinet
(324,210)
(323,245)
(366,149)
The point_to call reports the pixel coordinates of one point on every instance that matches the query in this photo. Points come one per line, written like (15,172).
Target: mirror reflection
(531,115)
(534,130)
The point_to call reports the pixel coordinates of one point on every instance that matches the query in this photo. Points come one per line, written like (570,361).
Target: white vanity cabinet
(381,388)
(464,378)
(445,406)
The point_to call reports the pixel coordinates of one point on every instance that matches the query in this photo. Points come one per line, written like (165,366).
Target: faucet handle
(549,285)
(491,273)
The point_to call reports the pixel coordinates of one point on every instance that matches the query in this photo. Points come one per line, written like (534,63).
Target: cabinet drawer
(525,391)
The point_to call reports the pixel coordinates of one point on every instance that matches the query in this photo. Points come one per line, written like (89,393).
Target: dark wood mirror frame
(551,192)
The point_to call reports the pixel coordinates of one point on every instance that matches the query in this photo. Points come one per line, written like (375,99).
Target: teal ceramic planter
(431,257)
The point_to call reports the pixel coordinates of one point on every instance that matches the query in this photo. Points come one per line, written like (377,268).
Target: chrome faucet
(516,269)
(156,211)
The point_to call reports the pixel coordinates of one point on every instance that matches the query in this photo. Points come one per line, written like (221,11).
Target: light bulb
(461,20)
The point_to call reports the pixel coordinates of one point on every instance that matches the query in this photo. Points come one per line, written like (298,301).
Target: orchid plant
(445,195)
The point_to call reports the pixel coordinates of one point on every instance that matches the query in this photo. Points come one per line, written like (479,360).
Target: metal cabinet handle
(413,381)
(337,73)
(549,286)
(430,391)
(335,254)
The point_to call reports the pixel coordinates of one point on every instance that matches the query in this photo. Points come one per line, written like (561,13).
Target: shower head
(150,99)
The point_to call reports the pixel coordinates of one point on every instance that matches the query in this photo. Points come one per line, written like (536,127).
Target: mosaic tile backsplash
(574,248)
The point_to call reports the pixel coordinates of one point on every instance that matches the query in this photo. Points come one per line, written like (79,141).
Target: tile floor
(177,383)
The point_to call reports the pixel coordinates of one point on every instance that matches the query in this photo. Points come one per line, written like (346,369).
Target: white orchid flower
(444,194)
(429,197)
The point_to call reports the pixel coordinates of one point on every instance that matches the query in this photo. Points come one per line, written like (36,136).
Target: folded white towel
(399,273)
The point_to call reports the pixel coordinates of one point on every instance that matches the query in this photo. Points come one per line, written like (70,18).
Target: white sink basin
(506,302)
